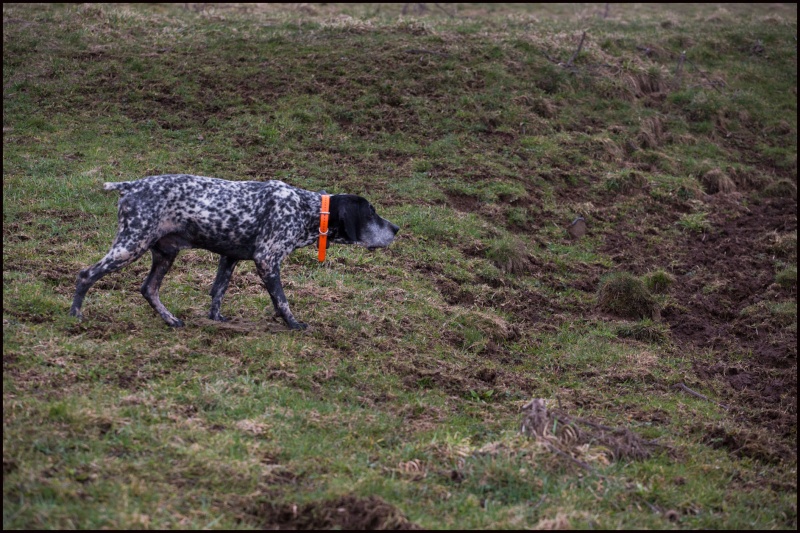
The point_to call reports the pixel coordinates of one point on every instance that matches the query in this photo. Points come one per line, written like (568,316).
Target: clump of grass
(715,181)
(651,133)
(782,188)
(695,223)
(544,107)
(787,278)
(517,216)
(509,255)
(625,181)
(645,330)
(785,245)
(747,178)
(783,314)
(625,295)
(658,282)
(644,82)
(605,149)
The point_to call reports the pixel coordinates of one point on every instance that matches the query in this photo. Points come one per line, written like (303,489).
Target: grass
(402,401)
(625,295)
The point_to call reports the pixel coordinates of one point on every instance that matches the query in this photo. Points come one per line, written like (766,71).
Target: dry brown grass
(645,81)
(782,188)
(560,522)
(716,181)
(580,437)
(748,179)
(651,133)
(605,149)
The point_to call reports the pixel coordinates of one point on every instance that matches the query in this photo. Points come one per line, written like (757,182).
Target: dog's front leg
(269,269)
(224,272)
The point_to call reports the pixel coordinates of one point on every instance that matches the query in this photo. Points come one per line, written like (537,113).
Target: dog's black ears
(348,216)
(345,210)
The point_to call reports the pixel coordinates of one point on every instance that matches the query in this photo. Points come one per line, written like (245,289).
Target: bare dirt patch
(743,442)
(235,326)
(347,512)
(464,202)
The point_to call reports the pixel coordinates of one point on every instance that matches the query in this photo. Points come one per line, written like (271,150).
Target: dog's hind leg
(117,258)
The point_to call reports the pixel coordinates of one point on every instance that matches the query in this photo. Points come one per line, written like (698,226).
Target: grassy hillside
(659,332)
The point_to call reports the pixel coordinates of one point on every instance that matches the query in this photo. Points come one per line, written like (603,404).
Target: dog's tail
(117,186)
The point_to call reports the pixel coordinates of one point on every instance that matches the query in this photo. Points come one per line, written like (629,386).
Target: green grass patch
(473,128)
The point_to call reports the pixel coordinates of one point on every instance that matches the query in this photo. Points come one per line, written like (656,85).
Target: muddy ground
(348,513)
(719,307)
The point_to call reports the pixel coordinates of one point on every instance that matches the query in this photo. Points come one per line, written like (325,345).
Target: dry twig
(684,388)
(445,11)
(577,51)
(555,427)
(568,456)
(679,70)
(713,85)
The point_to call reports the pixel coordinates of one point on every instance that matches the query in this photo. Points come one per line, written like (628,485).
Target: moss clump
(625,295)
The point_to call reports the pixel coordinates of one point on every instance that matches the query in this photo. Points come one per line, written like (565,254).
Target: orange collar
(323,226)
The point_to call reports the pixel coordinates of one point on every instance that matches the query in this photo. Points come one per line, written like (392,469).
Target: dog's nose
(395,229)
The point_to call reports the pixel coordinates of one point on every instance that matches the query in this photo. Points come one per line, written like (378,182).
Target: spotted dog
(262,221)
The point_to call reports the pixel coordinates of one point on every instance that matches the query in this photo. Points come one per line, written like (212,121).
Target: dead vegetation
(566,434)
(651,133)
(715,181)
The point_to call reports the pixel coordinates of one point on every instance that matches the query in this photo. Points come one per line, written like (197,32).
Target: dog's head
(354,221)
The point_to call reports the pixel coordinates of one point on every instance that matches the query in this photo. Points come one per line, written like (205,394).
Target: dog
(262,221)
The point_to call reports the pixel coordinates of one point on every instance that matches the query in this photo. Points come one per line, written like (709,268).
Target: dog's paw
(177,323)
(218,317)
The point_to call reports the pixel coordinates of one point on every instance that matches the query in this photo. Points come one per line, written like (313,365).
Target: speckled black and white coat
(263,221)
